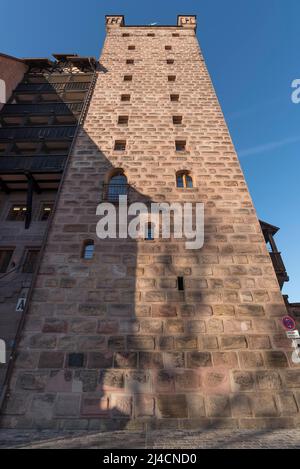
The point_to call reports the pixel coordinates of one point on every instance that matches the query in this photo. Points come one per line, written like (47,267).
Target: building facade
(128,334)
(43,103)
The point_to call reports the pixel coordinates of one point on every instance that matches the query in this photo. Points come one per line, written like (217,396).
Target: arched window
(149,231)
(184,179)
(117,186)
(88,250)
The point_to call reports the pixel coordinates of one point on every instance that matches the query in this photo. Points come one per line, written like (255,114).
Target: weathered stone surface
(140,343)
(185,343)
(42,341)
(243,381)
(100,360)
(151,353)
(264,405)
(240,405)
(93,406)
(275,359)
(145,406)
(172,406)
(196,407)
(17,404)
(259,342)
(34,381)
(227,359)
(53,325)
(218,406)
(125,360)
(51,360)
(42,406)
(85,381)
(233,342)
(198,359)
(267,380)
(251,360)
(150,360)
(112,379)
(67,405)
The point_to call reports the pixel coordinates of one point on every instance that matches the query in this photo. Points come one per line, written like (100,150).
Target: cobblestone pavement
(214,439)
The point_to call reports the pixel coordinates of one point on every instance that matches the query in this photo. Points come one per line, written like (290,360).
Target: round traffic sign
(288,323)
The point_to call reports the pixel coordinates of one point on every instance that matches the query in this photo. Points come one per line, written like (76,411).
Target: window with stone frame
(184,180)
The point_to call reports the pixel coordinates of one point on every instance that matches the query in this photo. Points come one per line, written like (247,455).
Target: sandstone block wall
(111,342)
(11,73)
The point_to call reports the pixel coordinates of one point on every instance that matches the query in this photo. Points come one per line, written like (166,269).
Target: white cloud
(268,146)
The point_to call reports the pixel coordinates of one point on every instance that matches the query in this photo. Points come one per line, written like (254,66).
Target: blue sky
(251,50)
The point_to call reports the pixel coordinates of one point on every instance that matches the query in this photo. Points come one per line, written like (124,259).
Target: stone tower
(123,333)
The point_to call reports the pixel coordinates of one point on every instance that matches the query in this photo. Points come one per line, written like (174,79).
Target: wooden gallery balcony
(57,133)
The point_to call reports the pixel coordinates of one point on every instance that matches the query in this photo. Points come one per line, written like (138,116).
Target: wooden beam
(31,180)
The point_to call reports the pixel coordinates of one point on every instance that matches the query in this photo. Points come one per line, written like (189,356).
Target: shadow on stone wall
(110,343)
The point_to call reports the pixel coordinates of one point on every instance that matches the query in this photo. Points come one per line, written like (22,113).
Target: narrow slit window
(174,98)
(180,283)
(175,34)
(180,145)
(150,34)
(125,34)
(125,97)
(88,250)
(123,120)
(149,232)
(177,120)
(120,145)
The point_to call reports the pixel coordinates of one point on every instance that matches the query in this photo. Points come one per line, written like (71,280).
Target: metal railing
(51,108)
(111,192)
(52,87)
(37,133)
(17,164)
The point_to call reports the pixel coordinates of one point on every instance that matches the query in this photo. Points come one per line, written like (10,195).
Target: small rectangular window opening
(177,120)
(120,145)
(125,97)
(174,97)
(180,283)
(123,120)
(180,145)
